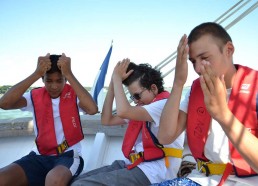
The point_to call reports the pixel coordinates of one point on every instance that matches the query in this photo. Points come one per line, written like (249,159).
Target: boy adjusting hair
(146,161)
(56,159)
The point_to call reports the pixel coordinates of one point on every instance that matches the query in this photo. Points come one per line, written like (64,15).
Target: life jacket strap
(62,147)
(137,158)
(173,152)
(229,169)
(209,168)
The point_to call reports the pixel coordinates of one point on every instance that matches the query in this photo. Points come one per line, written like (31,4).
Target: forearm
(245,142)
(14,94)
(122,104)
(169,118)
(86,101)
(106,115)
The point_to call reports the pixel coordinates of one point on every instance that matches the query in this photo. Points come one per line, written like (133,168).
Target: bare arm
(244,141)
(124,109)
(13,99)
(173,121)
(86,101)
(107,117)
(214,90)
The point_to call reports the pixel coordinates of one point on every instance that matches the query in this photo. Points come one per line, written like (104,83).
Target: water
(13,114)
(16,113)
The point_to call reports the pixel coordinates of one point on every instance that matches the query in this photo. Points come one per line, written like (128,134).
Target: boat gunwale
(91,124)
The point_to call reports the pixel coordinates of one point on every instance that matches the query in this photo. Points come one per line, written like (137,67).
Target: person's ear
(230,48)
(154,89)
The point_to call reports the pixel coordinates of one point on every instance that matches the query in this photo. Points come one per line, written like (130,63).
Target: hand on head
(44,64)
(121,68)
(64,64)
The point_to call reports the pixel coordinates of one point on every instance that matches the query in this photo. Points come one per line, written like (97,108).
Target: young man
(56,160)
(146,161)
(219,113)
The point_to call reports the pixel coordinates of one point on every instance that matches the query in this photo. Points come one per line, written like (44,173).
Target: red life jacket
(151,150)
(243,103)
(69,114)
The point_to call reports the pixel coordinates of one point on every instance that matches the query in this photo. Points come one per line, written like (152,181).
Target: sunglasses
(137,96)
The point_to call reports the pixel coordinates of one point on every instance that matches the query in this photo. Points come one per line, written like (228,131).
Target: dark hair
(146,76)
(210,28)
(54,67)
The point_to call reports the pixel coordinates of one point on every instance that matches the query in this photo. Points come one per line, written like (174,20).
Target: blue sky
(146,31)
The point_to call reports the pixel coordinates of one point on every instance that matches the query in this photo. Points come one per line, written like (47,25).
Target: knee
(59,175)
(52,180)
(12,175)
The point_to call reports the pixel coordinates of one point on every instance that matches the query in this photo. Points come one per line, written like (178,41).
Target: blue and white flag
(100,78)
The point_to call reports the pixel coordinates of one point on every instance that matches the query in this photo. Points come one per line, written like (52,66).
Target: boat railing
(236,9)
(91,125)
(229,18)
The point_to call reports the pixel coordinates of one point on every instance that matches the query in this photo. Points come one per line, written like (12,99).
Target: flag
(100,78)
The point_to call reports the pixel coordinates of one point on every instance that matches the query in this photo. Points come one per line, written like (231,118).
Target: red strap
(137,162)
(134,128)
(198,122)
(227,172)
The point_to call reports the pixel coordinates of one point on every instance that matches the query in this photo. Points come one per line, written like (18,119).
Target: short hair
(210,28)
(146,76)
(54,68)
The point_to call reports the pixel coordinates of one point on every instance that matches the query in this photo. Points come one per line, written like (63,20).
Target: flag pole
(98,85)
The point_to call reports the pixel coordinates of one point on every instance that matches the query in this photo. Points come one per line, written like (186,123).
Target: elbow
(122,113)
(164,140)
(124,110)
(3,105)
(92,111)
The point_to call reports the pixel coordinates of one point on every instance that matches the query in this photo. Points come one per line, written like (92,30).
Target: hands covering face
(214,90)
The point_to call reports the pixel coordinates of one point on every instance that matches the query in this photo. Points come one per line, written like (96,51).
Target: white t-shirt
(216,149)
(57,122)
(156,171)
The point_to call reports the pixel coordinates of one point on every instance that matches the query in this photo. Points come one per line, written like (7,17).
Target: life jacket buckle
(203,165)
(135,156)
(207,171)
(62,147)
